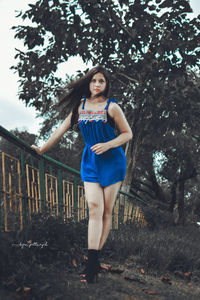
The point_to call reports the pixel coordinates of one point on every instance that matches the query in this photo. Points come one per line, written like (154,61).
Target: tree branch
(114,17)
(128,77)
(119,80)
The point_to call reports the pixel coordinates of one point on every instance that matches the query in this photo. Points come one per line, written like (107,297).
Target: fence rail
(30,182)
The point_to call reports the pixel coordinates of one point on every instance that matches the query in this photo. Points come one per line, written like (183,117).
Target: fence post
(119,209)
(60,196)
(0,212)
(75,199)
(42,182)
(24,196)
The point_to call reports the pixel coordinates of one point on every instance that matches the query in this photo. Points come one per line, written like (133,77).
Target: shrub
(179,261)
(45,240)
(157,218)
(161,250)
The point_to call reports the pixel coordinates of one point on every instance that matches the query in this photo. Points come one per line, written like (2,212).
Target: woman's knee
(95,209)
(107,214)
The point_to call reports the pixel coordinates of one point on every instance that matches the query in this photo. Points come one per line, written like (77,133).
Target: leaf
(152,7)
(72,9)
(142,271)
(19,13)
(166,279)
(150,292)
(187,275)
(115,270)
(85,258)
(27,289)
(74,263)
(133,278)
(166,3)
(102,29)
(18,289)
(179,274)
(106,267)
(44,287)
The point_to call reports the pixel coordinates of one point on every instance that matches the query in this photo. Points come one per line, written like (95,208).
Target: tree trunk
(181,188)
(159,194)
(173,198)
(131,155)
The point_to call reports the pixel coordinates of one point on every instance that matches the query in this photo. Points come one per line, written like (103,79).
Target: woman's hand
(100,148)
(37,149)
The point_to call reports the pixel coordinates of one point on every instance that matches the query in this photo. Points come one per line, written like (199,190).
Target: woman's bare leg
(110,194)
(95,199)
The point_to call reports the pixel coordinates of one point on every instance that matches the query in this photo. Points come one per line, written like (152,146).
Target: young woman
(103,164)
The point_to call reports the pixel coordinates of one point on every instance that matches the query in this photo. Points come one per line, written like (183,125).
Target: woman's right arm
(55,137)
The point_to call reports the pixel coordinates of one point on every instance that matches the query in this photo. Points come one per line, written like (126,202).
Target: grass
(158,248)
(163,248)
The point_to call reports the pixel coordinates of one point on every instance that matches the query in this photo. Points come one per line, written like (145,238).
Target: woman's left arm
(125,131)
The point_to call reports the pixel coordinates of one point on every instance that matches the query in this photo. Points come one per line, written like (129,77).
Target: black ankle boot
(98,263)
(92,267)
(84,272)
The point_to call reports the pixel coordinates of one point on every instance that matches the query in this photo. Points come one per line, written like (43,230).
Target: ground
(122,281)
(44,260)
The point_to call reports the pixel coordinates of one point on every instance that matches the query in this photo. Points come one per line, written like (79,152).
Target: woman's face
(97,84)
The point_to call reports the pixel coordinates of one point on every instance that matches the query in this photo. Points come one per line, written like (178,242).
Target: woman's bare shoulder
(114,108)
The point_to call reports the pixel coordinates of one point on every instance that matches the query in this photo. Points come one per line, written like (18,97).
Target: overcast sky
(13,113)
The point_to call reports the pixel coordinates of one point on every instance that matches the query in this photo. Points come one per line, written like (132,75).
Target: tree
(179,167)
(9,148)
(150,50)
(60,151)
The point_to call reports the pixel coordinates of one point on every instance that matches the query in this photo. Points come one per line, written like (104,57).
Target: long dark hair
(78,89)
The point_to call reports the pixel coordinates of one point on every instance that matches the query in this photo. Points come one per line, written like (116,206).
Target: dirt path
(123,283)
(132,285)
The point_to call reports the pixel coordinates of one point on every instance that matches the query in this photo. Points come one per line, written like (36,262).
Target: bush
(197,208)
(161,250)
(44,241)
(179,262)
(157,218)
(164,249)
(60,240)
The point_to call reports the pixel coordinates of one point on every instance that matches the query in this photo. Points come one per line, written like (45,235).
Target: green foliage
(61,151)
(68,150)
(148,53)
(152,52)
(9,148)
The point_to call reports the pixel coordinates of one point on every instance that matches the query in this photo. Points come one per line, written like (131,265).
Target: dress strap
(83,102)
(108,102)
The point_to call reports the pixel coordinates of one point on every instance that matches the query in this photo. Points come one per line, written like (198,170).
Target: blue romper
(109,167)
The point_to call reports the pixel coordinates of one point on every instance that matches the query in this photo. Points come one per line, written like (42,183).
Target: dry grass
(159,248)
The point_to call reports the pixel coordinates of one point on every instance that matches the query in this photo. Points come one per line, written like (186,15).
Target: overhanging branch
(128,77)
